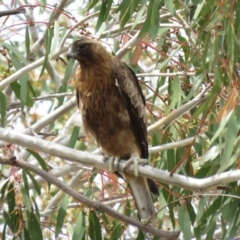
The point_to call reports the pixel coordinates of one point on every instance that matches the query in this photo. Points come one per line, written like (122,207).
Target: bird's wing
(134,102)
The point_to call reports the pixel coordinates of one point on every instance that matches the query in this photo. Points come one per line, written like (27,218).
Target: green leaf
(22,80)
(4,228)
(10,221)
(191,212)
(16,89)
(11,198)
(162,205)
(104,12)
(70,230)
(134,5)
(200,209)
(16,52)
(151,24)
(27,41)
(34,227)
(213,209)
(104,217)
(61,215)
(43,8)
(232,231)
(184,222)
(25,234)
(155,13)
(3,108)
(139,14)
(171,55)
(140,236)
(95,231)
(62,89)
(153,31)
(175,92)
(127,210)
(74,136)
(232,131)
(211,227)
(171,155)
(231,47)
(125,14)
(79,229)
(169,198)
(49,37)
(36,209)
(3,189)
(34,182)
(55,40)
(31,89)
(170,6)
(117,232)
(26,198)
(147,24)
(68,71)
(25,181)
(11,217)
(223,124)
(39,159)
(63,33)
(91,5)
(64,86)
(23,91)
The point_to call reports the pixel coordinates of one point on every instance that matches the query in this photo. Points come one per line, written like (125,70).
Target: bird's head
(86,50)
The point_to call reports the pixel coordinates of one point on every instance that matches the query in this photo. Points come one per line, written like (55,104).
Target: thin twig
(93,204)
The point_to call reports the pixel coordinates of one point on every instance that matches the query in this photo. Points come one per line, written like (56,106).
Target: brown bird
(113,111)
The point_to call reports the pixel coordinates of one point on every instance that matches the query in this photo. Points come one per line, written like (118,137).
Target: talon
(129,163)
(135,161)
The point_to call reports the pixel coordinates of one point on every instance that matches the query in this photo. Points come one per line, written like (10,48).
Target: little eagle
(113,111)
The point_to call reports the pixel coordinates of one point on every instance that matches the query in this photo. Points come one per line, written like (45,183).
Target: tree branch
(94,160)
(172,145)
(51,117)
(93,204)
(28,68)
(12,12)
(164,122)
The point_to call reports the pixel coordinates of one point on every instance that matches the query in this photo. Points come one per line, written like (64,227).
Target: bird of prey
(113,111)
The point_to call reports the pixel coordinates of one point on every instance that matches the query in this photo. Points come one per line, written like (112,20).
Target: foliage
(178,50)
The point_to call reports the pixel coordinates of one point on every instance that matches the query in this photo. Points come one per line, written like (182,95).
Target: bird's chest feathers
(103,110)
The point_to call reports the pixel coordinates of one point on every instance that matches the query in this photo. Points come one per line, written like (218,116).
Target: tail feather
(142,196)
(153,187)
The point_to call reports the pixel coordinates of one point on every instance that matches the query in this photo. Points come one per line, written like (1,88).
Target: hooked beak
(70,54)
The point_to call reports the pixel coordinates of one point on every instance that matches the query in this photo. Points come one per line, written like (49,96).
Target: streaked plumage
(113,111)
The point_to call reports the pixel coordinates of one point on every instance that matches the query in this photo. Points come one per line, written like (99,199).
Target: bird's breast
(105,116)
(103,109)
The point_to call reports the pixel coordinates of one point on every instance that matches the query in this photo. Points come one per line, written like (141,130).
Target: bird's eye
(82,47)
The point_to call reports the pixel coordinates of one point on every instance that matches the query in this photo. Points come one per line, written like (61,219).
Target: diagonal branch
(28,68)
(93,204)
(51,117)
(164,122)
